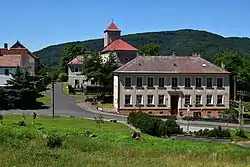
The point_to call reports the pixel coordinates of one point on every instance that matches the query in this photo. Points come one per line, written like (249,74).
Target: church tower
(111,34)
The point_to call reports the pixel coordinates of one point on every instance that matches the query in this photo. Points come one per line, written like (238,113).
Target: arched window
(76,69)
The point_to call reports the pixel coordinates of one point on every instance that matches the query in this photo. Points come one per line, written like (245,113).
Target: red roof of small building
(13,51)
(112,27)
(119,45)
(77,60)
(10,60)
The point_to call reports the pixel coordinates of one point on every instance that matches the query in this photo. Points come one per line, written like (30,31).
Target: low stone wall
(201,139)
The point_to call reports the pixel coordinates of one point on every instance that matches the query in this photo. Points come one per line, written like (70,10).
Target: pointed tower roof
(112,27)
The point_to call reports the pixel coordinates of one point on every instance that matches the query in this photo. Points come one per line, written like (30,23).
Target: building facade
(75,77)
(113,45)
(13,57)
(172,85)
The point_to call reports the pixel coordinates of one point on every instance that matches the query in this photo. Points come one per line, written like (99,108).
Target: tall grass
(113,146)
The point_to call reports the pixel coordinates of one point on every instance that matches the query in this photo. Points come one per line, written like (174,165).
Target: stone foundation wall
(182,112)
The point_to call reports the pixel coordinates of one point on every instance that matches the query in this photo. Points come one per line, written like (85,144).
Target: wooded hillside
(180,42)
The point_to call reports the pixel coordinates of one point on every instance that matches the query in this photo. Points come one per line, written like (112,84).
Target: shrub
(152,125)
(172,127)
(54,141)
(63,77)
(88,132)
(21,123)
(240,133)
(216,132)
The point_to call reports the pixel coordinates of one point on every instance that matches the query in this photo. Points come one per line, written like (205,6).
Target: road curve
(66,106)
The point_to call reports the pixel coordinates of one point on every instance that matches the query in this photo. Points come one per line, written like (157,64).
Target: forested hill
(180,42)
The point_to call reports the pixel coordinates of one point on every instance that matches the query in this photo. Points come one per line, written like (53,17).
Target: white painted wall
(115,92)
(72,76)
(3,77)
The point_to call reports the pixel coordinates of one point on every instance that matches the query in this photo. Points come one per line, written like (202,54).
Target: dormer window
(7,72)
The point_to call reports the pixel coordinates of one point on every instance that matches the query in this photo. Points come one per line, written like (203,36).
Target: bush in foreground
(152,125)
(54,141)
(216,132)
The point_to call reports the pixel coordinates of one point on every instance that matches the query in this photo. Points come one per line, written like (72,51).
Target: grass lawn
(113,146)
(65,89)
(46,100)
(106,105)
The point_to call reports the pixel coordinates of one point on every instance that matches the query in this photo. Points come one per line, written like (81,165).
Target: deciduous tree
(69,53)
(151,49)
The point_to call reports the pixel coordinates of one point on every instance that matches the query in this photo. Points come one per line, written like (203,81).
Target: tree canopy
(69,53)
(182,42)
(99,69)
(238,65)
(21,90)
(151,49)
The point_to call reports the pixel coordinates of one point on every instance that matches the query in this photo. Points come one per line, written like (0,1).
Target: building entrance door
(174,105)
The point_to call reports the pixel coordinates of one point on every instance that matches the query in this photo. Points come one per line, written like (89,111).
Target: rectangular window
(150,82)
(198,99)
(187,82)
(161,99)
(139,82)
(80,69)
(219,99)
(209,99)
(150,99)
(139,100)
(219,83)
(7,72)
(209,82)
(128,100)
(187,99)
(161,82)
(127,82)
(174,83)
(198,82)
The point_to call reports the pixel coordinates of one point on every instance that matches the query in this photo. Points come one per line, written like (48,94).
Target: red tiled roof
(22,46)
(77,60)
(10,60)
(14,51)
(112,27)
(119,45)
(171,64)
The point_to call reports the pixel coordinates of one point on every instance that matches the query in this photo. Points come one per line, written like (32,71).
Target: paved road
(65,106)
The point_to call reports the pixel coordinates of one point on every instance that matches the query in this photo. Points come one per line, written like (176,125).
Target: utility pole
(53,97)
(241,110)
(188,109)
(235,88)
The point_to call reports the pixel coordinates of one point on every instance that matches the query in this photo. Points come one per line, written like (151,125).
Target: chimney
(222,65)
(196,55)
(5,45)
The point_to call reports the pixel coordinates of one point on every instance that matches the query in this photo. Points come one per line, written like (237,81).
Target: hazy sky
(38,24)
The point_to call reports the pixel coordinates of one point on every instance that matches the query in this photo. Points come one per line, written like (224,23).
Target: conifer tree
(21,90)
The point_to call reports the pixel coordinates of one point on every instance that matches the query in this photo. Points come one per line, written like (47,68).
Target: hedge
(152,125)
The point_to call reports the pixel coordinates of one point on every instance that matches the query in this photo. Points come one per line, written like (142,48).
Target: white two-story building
(172,85)
(16,56)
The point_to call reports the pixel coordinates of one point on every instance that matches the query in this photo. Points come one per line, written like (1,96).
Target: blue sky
(38,24)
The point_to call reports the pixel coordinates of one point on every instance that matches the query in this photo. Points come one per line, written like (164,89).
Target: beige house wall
(181,91)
